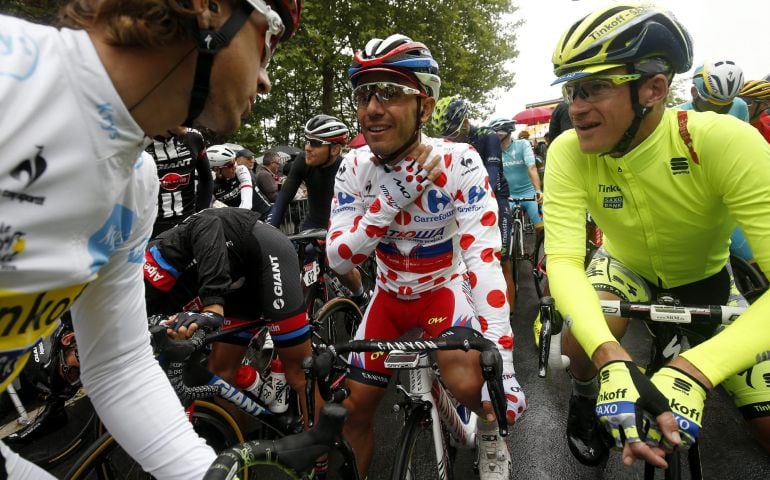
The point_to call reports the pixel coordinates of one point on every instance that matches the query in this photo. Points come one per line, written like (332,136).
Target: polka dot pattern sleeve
(480,244)
(356,226)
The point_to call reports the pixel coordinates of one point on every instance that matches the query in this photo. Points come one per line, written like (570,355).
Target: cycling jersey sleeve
(494,159)
(565,204)
(354,231)
(204,192)
(737,163)
(126,385)
(480,245)
(288,191)
(205,235)
(247,189)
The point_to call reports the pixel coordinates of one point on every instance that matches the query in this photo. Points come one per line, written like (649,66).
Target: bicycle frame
(426,388)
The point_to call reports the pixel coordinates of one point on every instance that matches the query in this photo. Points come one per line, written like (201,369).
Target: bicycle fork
(428,398)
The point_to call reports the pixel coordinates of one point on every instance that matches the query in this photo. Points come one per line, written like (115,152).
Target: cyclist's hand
(406,180)
(539,196)
(516,401)
(624,395)
(686,396)
(187,323)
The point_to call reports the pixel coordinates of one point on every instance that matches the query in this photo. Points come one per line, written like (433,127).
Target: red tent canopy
(532,116)
(357,141)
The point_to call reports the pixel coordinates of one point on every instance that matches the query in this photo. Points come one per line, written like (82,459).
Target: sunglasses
(274,29)
(315,143)
(596,88)
(385,92)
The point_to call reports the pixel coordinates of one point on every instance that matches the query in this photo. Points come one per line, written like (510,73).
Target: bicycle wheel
(748,279)
(415,459)
(106,460)
(516,251)
(336,321)
(75,429)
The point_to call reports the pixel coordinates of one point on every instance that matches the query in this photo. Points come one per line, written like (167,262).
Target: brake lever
(307,367)
(546,316)
(492,371)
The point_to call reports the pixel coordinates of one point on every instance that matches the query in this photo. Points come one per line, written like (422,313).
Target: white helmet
(220,155)
(718,82)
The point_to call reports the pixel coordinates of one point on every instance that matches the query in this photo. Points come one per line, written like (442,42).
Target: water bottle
(247,378)
(280,403)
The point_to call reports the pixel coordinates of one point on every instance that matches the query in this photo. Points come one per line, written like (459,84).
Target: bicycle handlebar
(320,367)
(666,310)
(522,199)
(297,453)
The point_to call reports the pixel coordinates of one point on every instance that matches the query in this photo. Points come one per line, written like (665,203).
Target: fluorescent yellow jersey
(667,213)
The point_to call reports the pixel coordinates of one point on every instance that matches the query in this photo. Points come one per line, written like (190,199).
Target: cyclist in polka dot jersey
(424,206)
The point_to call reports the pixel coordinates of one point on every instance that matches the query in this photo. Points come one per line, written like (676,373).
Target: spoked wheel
(539,269)
(106,460)
(73,429)
(336,321)
(750,282)
(416,458)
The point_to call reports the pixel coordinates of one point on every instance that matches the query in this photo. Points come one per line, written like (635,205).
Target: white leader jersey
(77,204)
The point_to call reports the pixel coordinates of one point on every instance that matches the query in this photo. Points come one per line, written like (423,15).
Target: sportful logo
(679,166)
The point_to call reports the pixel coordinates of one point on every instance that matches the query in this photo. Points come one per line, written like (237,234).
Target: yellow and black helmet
(620,35)
(758,89)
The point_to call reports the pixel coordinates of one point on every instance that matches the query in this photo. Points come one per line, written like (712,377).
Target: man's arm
(353,231)
(204,193)
(288,190)
(246,187)
(125,383)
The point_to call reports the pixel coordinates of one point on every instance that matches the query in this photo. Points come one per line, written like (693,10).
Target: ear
(428,104)
(68,339)
(336,149)
(654,90)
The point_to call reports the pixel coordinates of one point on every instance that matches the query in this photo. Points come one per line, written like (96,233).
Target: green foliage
(679,91)
(469,39)
(309,74)
(42,11)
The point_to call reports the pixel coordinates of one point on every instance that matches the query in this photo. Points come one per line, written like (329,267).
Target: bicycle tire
(337,320)
(52,448)
(417,436)
(748,279)
(515,252)
(539,275)
(106,460)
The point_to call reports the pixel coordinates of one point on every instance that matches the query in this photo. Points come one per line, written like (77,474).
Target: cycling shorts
(506,228)
(533,212)
(750,389)
(389,316)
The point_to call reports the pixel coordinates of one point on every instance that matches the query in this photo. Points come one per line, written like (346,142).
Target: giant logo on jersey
(172,181)
(112,235)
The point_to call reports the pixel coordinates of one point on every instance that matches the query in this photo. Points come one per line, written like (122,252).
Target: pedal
(398,360)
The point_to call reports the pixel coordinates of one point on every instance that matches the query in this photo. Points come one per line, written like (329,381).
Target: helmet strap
(640,112)
(209,43)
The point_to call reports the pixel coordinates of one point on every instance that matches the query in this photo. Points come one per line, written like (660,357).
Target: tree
(469,39)
(309,74)
(679,91)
